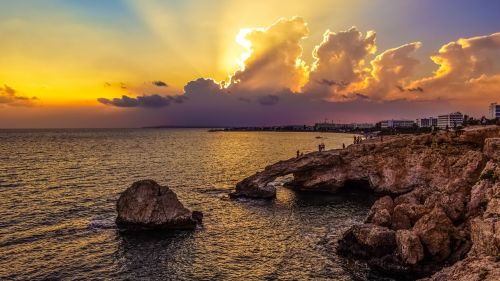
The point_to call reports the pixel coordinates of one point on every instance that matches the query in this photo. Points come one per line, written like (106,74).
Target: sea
(58,193)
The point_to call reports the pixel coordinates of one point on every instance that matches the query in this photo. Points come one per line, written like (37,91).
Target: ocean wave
(101,224)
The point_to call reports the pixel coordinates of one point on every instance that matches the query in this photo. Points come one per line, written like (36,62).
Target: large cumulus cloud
(274,57)
(466,69)
(389,72)
(339,61)
(347,79)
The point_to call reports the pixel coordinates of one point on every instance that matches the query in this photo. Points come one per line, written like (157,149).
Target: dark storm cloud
(147,101)
(159,83)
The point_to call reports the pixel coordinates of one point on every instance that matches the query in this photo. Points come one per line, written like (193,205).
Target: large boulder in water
(146,205)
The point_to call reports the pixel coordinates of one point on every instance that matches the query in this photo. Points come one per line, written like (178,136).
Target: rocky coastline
(438,216)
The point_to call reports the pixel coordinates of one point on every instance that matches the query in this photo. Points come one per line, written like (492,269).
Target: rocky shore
(439,212)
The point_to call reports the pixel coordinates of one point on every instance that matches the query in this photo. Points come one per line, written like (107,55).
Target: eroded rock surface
(146,205)
(441,205)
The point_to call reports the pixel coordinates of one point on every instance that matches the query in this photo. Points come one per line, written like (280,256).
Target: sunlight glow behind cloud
(260,51)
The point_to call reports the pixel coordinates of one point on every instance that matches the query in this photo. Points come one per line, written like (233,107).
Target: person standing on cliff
(343,146)
(298,153)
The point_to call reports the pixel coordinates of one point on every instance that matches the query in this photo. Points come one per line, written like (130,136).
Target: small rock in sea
(146,205)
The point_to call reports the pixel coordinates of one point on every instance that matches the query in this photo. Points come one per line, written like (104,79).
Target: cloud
(202,86)
(339,72)
(147,101)
(392,67)
(273,59)
(269,100)
(8,96)
(347,80)
(464,59)
(339,61)
(465,68)
(159,83)
(361,96)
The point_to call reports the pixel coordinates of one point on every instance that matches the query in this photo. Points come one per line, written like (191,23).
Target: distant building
(385,124)
(295,128)
(325,126)
(451,120)
(427,122)
(494,111)
(339,127)
(363,125)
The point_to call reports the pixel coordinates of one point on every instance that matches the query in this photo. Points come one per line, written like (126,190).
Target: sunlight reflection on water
(58,190)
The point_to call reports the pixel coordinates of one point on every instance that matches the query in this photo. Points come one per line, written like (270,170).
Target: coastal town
(453,120)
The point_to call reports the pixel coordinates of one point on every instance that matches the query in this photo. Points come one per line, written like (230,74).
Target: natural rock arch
(435,185)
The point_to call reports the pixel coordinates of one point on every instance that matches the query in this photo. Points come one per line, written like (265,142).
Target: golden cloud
(273,60)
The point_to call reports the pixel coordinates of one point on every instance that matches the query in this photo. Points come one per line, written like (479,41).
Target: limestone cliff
(441,203)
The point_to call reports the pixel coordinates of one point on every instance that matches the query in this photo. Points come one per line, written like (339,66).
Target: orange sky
(66,56)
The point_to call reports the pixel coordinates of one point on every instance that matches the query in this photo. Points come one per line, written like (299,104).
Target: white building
(427,122)
(451,120)
(396,124)
(494,111)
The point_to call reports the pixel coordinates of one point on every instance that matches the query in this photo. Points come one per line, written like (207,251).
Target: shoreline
(440,211)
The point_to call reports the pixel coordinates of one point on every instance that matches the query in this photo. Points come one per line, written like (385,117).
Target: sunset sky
(69,63)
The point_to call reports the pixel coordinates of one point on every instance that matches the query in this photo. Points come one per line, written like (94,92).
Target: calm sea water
(58,190)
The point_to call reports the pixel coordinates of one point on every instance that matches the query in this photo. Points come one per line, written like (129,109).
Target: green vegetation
(489,175)
(483,273)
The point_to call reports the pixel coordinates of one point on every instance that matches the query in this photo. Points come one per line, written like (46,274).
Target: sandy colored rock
(492,148)
(470,269)
(381,212)
(368,240)
(409,247)
(434,230)
(443,198)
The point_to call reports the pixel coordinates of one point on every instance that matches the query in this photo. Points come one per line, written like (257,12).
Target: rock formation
(147,205)
(441,205)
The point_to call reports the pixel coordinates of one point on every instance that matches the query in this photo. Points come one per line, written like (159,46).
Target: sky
(126,63)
